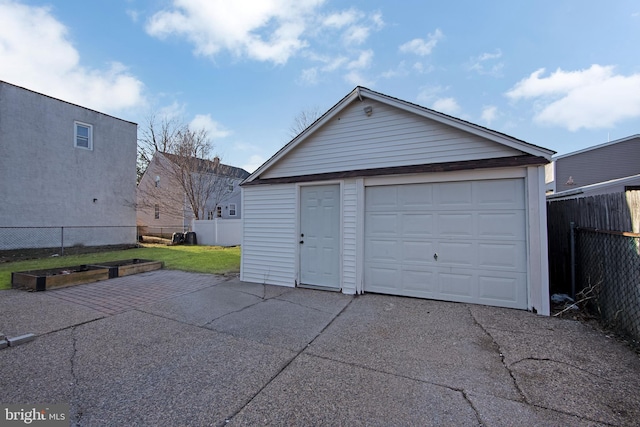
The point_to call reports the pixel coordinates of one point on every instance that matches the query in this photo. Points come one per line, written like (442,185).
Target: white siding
(269,235)
(349,239)
(389,137)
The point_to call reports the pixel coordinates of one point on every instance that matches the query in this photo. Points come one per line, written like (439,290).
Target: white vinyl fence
(218,232)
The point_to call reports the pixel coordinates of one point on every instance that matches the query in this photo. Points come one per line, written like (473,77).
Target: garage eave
(500,162)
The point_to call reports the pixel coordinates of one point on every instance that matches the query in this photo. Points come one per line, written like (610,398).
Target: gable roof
(212,167)
(362,93)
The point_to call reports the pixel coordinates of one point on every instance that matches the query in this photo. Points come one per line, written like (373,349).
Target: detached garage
(382,195)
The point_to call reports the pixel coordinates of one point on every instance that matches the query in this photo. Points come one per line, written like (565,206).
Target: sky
(560,74)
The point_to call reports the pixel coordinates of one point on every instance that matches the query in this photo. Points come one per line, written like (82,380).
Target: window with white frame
(210,215)
(232,209)
(83,135)
(218,211)
(156,213)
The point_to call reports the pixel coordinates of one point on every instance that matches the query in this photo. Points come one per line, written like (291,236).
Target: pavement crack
(501,354)
(285,366)
(75,393)
(546,359)
(465,396)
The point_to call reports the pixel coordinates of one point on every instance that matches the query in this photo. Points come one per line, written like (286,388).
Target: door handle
(301,241)
(435,256)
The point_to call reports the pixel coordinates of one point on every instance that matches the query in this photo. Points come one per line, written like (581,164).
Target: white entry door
(319,238)
(455,241)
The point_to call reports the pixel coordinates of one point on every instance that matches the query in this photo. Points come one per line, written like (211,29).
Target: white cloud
(37,54)
(429,93)
(265,30)
(254,162)
(590,99)
(489,113)
(487,63)
(133,14)
(363,61)
(356,78)
(341,19)
(422,47)
(356,35)
(309,76)
(446,105)
(213,128)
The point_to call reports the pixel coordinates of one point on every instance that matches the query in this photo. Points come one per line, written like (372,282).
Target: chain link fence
(607,273)
(59,238)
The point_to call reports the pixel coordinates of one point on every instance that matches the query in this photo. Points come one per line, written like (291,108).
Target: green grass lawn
(199,259)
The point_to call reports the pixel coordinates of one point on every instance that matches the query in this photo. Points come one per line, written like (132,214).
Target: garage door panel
(383,250)
(382,197)
(418,224)
(382,224)
(456,285)
(461,254)
(454,194)
(502,290)
(418,252)
(420,282)
(476,228)
(383,278)
(501,225)
(455,225)
(415,196)
(499,194)
(502,256)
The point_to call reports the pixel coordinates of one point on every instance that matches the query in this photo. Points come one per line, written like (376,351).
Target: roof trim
(498,162)
(361,93)
(590,187)
(67,102)
(595,147)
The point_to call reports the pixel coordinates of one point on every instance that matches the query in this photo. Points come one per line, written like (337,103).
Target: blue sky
(562,74)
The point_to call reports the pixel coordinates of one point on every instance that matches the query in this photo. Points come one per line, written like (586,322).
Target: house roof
(66,102)
(362,93)
(595,147)
(212,167)
(633,179)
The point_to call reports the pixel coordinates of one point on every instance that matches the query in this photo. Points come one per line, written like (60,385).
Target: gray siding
(601,164)
(269,242)
(175,211)
(389,137)
(46,181)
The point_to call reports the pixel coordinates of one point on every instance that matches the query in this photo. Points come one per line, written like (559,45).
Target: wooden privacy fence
(609,212)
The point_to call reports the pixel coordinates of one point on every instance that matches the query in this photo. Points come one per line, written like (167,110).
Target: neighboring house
(605,163)
(382,195)
(162,202)
(63,165)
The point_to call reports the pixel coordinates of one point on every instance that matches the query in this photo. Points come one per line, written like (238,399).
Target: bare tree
(157,134)
(303,120)
(181,171)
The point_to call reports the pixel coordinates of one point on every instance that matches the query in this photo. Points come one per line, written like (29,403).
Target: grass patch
(199,259)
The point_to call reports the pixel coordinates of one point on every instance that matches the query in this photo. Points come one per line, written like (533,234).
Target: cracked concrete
(222,352)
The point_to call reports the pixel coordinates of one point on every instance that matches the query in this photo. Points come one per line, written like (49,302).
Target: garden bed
(128,267)
(42,280)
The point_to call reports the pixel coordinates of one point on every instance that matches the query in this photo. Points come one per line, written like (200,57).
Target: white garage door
(454,241)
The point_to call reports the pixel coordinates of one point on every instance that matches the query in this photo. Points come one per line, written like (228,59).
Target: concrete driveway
(180,349)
